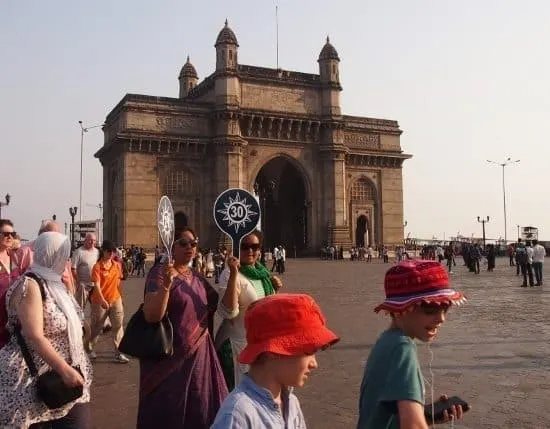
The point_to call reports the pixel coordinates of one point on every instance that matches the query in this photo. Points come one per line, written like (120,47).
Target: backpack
(521,255)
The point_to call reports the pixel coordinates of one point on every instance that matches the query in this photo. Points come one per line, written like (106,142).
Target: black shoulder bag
(144,340)
(50,386)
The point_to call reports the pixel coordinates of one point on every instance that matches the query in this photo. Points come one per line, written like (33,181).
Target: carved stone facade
(321,177)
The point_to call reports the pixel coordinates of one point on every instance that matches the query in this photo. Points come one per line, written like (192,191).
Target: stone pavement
(494,351)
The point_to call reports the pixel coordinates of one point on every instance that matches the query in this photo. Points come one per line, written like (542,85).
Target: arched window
(177,182)
(362,190)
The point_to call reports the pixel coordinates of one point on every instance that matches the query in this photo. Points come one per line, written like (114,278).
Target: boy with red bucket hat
(283,333)
(418,296)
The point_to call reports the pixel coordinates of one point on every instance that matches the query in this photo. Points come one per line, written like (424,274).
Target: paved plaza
(493,352)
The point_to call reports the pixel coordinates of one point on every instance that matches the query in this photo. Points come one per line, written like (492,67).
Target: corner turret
(226,50)
(188,78)
(329,71)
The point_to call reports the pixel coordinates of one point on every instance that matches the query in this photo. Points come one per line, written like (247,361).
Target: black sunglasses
(250,246)
(431,309)
(184,243)
(7,234)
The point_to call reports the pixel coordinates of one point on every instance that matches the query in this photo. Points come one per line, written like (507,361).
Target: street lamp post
(72,213)
(83,130)
(507,162)
(483,222)
(6,203)
(518,232)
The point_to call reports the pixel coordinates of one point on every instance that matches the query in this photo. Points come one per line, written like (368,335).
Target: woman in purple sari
(186,389)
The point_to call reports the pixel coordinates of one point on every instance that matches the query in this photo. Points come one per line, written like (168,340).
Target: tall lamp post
(483,222)
(518,232)
(507,162)
(72,212)
(4,203)
(83,130)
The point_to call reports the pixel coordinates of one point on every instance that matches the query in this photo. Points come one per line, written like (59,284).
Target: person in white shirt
(529,265)
(539,252)
(370,253)
(276,256)
(83,260)
(282,259)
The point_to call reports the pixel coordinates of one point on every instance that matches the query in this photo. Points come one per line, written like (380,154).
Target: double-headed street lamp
(483,222)
(6,203)
(83,130)
(507,162)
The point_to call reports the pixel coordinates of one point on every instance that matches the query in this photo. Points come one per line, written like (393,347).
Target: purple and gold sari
(186,389)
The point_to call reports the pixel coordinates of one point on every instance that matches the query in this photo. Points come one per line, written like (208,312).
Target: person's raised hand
(169,274)
(277,283)
(233,264)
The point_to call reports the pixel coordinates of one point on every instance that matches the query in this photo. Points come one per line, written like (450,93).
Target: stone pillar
(391,189)
(334,169)
(140,199)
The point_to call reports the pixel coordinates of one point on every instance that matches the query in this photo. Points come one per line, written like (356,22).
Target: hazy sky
(467,80)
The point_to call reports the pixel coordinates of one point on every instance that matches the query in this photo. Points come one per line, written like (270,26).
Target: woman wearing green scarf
(244,281)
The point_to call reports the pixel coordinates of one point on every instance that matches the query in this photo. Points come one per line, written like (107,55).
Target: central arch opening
(283,201)
(360,231)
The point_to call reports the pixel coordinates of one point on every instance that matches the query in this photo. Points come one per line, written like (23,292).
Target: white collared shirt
(539,252)
(529,251)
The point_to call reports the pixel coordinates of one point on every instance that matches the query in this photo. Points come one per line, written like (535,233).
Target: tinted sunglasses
(250,246)
(184,243)
(7,234)
(431,309)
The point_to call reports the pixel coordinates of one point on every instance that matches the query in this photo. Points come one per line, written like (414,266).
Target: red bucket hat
(285,324)
(415,281)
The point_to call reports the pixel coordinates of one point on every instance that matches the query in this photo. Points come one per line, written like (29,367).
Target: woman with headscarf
(244,281)
(184,390)
(51,325)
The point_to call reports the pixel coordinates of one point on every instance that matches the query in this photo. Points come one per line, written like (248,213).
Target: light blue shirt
(250,406)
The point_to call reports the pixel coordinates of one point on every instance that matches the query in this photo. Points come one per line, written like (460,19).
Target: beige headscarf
(51,252)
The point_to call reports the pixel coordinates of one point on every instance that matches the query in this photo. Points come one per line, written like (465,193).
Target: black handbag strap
(20,340)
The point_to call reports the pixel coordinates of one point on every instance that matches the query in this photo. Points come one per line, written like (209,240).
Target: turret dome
(188,70)
(328,52)
(226,36)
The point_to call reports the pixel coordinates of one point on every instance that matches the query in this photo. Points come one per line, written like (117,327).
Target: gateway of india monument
(321,177)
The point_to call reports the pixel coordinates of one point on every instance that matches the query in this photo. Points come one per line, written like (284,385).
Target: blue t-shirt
(250,406)
(392,374)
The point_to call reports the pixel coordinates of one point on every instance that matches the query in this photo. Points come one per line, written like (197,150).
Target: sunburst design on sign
(237,212)
(165,222)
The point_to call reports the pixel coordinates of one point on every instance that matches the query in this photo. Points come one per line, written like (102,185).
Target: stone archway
(364,212)
(282,191)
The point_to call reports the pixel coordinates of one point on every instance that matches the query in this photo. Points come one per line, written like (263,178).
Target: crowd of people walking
(240,375)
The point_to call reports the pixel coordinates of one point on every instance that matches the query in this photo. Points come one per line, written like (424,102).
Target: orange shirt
(108,280)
